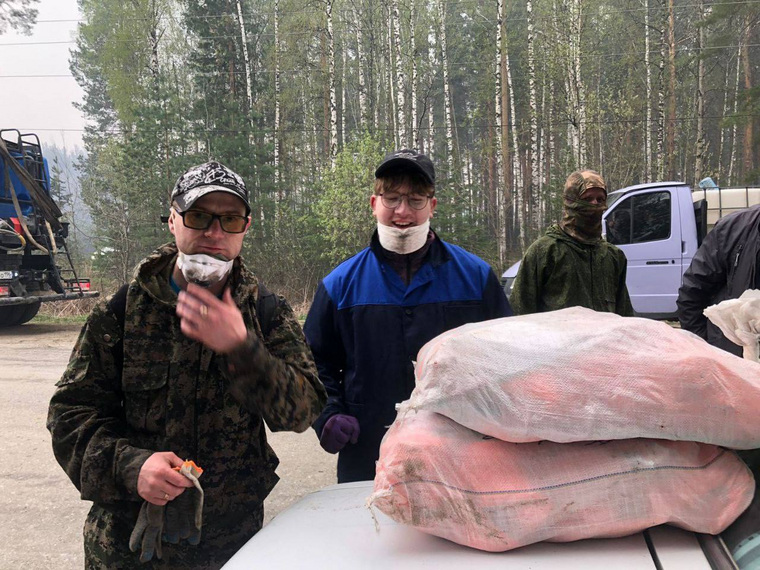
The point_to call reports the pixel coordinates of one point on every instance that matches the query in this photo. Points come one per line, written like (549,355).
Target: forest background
(303,99)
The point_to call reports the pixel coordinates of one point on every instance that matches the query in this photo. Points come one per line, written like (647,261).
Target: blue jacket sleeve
(325,341)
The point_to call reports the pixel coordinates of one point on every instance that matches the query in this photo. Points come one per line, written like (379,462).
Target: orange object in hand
(190,464)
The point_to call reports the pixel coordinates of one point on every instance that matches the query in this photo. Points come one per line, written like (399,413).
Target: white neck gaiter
(202,269)
(403,241)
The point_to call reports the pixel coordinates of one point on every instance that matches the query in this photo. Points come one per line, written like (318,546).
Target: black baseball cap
(406,160)
(204,179)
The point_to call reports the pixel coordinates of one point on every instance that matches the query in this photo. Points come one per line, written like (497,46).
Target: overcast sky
(42,105)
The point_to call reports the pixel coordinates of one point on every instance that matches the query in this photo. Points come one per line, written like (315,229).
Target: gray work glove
(147,532)
(184,515)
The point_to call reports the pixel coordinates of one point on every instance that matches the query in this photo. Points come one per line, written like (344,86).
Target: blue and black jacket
(366,326)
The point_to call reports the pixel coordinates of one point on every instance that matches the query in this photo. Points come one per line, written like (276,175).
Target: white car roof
(333,529)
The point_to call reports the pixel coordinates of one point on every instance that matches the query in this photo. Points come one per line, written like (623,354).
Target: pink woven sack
(452,482)
(578,375)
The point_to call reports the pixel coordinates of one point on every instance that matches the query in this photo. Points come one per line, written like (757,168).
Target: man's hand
(338,431)
(157,482)
(216,323)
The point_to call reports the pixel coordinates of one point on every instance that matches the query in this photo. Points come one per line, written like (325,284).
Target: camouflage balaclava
(582,220)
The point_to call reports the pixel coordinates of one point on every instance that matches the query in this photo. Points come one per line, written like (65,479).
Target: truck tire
(28,313)
(9,315)
(18,314)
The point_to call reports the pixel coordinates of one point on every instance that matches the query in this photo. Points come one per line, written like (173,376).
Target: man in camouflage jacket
(189,374)
(571,265)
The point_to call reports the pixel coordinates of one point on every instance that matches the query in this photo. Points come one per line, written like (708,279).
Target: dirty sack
(739,320)
(579,375)
(492,495)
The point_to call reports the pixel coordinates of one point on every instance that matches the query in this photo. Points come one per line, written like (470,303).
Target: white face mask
(202,269)
(403,241)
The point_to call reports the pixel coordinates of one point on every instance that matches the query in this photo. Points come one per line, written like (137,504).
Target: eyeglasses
(199,220)
(391,200)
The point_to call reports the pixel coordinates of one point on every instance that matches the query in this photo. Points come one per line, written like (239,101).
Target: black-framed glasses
(392,200)
(200,220)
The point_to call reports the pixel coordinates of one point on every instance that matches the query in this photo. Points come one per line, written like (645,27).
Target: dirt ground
(41,515)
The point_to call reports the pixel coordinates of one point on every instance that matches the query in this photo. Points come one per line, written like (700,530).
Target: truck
(35,264)
(659,227)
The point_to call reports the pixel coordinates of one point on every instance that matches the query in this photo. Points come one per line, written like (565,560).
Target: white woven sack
(452,482)
(739,319)
(578,375)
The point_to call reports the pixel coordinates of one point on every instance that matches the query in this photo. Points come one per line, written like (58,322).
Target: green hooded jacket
(174,394)
(558,271)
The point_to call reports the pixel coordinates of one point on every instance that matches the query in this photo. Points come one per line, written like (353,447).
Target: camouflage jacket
(174,394)
(558,271)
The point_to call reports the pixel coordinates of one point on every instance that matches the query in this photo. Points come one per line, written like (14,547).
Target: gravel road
(41,515)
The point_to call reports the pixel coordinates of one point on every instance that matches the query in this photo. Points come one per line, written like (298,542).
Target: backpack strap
(118,305)
(266,305)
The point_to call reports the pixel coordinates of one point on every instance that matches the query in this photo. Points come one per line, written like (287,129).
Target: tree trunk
(502,194)
(748,126)
(247,64)
(277,97)
(413,48)
(429,98)
(400,100)
(331,83)
(734,129)
(343,104)
(392,101)
(661,162)
(534,154)
(699,150)
(325,66)
(448,111)
(517,172)
(671,123)
(363,117)
(648,125)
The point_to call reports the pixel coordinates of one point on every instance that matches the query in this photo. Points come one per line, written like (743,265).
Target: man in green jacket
(183,365)
(571,265)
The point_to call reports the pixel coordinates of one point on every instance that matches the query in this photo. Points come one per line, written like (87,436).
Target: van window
(639,219)
(651,217)
(619,224)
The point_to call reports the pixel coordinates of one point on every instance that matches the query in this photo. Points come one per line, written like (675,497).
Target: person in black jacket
(724,266)
(372,313)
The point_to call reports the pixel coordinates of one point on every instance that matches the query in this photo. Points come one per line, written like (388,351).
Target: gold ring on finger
(204,311)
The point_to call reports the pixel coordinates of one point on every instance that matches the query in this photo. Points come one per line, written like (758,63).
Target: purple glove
(338,431)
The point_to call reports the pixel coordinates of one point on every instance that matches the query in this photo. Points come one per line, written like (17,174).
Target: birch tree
(447,104)
(648,78)
(331,82)
(503,197)
(433,61)
(699,149)
(747,71)
(574,88)
(363,117)
(277,97)
(671,120)
(403,140)
(734,128)
(661,150)
(533,112)
(413,49)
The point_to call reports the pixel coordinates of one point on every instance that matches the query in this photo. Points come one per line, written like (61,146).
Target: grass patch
(48,319)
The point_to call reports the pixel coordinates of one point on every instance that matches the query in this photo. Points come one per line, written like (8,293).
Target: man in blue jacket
(372,313)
